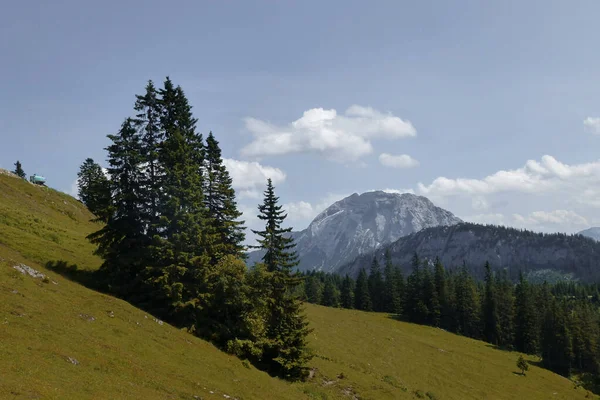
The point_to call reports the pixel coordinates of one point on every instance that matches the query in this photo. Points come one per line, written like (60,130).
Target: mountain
(593,233)
(360,224)
(538,254)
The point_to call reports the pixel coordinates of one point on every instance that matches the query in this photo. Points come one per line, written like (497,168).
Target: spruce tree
(506,305)
(439,277)
(94,188)
(285,345)
(313,289)
(490,307)
(467,304)
(526,332)
(392,290)
(414,308)
(179,255)
(331,294)
(376,286)
(221,204)
(148,122)
(347,292)
(556,343)
(399,287)
(431,298)
(362,297)
(122,241)
(19,170)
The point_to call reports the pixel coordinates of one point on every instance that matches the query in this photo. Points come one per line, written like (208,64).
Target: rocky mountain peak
(361,223)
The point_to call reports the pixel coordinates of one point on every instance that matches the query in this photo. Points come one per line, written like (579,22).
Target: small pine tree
(94,188)
(522,365)
(285,347)
(19,170)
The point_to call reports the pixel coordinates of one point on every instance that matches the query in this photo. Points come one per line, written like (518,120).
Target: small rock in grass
(73,361)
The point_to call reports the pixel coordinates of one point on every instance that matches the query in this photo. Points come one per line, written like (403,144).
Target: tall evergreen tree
(285,346)
(392,286)
(431,298)
(490,307)
(399,287)
(439,276)
(556,345)
(376,286)
(467,304)
(414,308)
(122,241)
(148,122)
(347,292)
(179,248)
(526,331)
(94,189)
(331,294)
(19,170)
(313,289)
(505,306)
(221,204)
(362,297)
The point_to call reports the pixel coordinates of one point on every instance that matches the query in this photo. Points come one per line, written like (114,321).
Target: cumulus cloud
(398,161)
(337,137)
(556,217)
(592,124)
(547,175)
(552,221)
(249,178)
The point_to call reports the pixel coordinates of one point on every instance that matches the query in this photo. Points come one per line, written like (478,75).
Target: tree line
(172,240)
(558,322)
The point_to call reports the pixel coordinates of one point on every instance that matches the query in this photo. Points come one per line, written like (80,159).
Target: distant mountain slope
(503,247)
(593,233)
(360,224)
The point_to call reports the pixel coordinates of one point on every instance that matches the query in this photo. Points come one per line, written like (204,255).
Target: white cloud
(337,137)
(480,203)
(592,124)
(534,177)
(399,161)
(551,221)
(556,217)
(300,211)
(394,191)
(494,219)
(249,178)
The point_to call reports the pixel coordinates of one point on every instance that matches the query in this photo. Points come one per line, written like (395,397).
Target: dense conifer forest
(559,322)
(172,238)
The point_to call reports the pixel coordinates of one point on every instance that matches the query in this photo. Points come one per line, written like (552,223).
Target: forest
(559,322)
(171,238)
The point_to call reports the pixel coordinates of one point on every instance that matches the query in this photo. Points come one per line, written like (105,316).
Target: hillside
(359,224)
(62,340)
(593,233)
(553,255)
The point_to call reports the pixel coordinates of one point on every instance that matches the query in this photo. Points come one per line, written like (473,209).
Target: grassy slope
(130,356)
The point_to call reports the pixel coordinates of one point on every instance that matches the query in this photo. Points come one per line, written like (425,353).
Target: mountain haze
(593,233)
(361,223)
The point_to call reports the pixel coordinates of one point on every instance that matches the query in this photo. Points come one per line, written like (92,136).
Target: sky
(489,109)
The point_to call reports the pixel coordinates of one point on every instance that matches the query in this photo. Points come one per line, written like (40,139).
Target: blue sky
(488,108)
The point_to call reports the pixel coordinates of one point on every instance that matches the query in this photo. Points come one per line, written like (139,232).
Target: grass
(63,340)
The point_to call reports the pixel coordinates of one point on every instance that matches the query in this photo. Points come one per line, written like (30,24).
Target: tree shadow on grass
(90,279)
